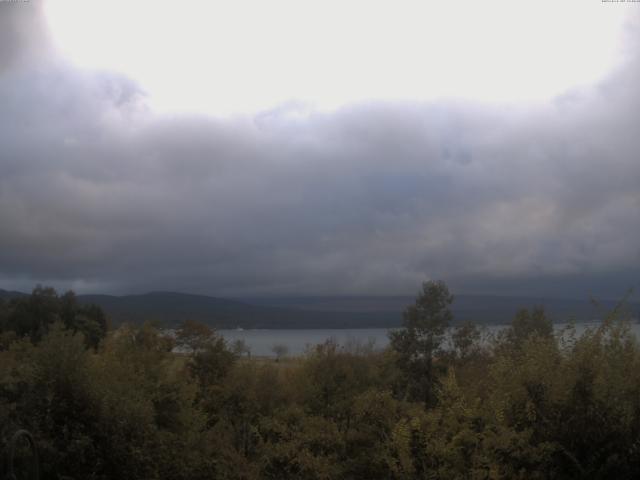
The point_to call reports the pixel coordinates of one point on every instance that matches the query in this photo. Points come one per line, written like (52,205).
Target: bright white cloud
(233,56)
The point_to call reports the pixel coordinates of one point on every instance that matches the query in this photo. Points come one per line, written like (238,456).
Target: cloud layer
(99,193)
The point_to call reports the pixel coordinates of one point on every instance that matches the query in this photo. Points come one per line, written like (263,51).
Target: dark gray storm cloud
(98,193)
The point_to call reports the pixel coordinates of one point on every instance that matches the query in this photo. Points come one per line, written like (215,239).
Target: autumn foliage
(529,403)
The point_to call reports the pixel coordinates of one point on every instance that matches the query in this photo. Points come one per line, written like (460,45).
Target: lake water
(261,342)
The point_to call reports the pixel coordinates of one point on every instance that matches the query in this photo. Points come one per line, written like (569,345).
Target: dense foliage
(128,404)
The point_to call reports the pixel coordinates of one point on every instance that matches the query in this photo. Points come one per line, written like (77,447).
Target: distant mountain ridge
(481,308)
(170,308)
(8,294)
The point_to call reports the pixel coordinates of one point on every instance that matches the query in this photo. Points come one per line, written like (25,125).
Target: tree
(417,343)
(210,364)
(193,336)
(280,350)
(465,340)
(89,320)
(240,348)
(32,316)
(526,324)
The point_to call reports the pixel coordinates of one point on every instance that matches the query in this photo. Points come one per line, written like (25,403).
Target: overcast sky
(102,191)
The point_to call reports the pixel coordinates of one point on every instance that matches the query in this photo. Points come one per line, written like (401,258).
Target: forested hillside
(525,404)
